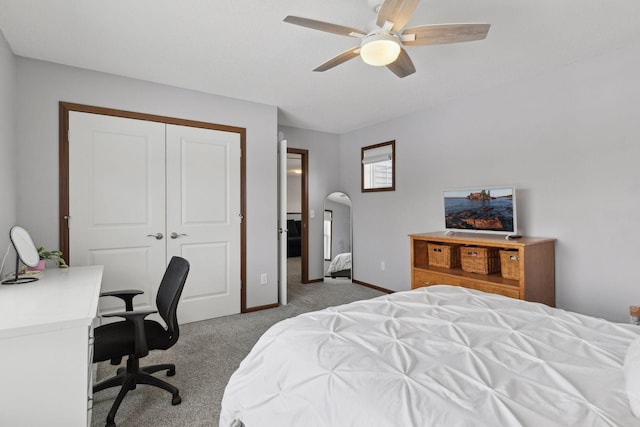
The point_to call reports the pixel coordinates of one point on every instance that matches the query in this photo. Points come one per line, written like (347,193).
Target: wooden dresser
(535,258)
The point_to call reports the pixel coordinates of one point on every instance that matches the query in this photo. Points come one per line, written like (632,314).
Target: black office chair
(135,336)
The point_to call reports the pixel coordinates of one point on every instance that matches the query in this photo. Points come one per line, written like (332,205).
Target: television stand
(535,257)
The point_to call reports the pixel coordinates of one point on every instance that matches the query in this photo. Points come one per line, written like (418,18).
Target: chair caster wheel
(171,372)
(110,424)
(176,400)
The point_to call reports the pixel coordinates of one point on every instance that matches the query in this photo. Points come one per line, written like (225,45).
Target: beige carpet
(294,270)
(206,355)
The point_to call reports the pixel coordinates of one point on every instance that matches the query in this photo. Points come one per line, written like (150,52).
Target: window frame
(363,150)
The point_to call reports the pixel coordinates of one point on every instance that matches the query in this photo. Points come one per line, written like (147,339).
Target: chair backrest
(169,294)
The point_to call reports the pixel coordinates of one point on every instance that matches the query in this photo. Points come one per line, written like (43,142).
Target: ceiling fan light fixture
(380,49)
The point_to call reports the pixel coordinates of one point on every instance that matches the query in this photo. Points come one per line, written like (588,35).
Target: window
(328,218)
(378,167)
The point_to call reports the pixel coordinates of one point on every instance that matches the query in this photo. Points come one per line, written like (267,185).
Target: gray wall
(8,147)
(569,140)
(324,178)
(294,192)
(42,85)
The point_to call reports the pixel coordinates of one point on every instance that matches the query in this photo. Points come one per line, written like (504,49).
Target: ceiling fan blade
(403,66)
(323,26)
(337,60)
(446,33)
(397,11)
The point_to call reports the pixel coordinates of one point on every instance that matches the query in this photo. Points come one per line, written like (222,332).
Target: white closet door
(116,201)
(203,218)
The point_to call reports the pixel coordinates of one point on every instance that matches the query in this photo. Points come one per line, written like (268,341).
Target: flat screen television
(481,210)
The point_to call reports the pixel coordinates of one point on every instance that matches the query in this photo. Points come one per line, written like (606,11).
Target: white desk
(46,348)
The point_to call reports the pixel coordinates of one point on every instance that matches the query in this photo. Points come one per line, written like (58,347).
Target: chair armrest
(137,318)
(125,294)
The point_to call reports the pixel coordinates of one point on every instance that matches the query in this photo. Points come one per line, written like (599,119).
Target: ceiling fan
(382,43)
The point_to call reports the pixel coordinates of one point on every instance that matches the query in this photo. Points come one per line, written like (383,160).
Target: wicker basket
(446,256)
(480,260)
(510,264)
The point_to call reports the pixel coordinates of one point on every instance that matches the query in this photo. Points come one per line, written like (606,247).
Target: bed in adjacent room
(436,356)
(340,266)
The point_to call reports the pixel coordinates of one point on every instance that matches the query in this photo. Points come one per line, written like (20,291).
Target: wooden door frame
(63,161)
(304,197)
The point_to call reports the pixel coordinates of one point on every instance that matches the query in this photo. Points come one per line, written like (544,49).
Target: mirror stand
(25,251)
(16,280)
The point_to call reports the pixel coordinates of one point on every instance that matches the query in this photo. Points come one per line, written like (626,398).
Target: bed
(340,266)
(437,356)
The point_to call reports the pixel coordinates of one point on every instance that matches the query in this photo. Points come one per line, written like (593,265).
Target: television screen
(482,209)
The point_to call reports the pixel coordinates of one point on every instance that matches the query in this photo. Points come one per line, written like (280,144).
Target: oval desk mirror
(25,251)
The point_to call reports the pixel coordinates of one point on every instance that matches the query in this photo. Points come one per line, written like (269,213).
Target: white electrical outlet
(263,279)
(383,266)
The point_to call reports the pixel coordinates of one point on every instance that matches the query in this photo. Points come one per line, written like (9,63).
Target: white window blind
(377,155)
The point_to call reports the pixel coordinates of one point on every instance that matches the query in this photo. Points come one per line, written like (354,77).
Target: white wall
(294,192)
(324,178)
(42,85)
(569,140)
(8,147)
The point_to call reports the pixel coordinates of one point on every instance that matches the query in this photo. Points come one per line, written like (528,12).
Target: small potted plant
(55,256)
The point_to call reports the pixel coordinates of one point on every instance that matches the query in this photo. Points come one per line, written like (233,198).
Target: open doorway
(297,216)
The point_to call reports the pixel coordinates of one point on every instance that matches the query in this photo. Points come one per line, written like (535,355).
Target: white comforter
(438,356)
(340,262)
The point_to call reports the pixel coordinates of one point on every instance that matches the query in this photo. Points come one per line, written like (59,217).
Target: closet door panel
(120,198)
(203,213)
(212,276)
(116,201)
(126,268)
(132,180)
(204,173)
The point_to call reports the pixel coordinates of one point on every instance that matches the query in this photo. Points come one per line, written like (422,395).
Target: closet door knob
(158,236)
(175,235)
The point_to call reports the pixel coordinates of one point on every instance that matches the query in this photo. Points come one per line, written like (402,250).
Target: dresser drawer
(429,278)
(494,289)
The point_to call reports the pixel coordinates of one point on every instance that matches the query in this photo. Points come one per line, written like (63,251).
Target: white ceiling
(242,49)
